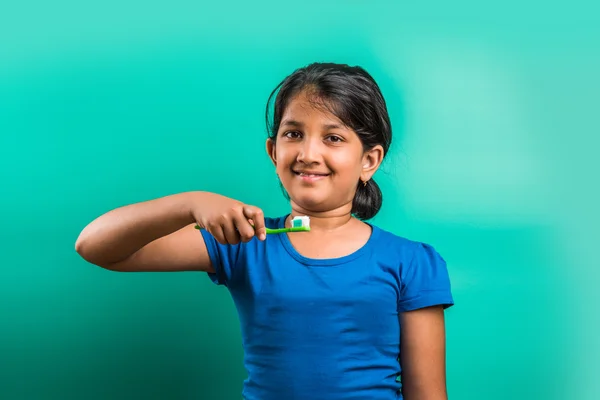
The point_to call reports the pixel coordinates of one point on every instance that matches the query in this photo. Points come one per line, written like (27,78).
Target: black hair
(351,94)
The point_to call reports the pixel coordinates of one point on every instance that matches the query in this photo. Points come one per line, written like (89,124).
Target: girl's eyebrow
(298,124)
(293,123)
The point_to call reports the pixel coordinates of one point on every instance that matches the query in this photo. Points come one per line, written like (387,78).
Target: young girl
(344,311)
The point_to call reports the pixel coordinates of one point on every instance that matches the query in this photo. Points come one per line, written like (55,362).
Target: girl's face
(319,160)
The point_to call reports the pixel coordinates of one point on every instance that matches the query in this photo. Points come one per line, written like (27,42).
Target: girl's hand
(228,220)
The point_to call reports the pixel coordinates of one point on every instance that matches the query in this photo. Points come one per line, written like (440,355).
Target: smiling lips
(310,176)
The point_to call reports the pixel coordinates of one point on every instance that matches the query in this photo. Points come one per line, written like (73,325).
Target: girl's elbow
(84,249)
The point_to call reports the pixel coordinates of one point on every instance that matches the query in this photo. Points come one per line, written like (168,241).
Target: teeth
(311,175)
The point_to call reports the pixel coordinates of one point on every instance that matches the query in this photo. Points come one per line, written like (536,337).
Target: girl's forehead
(302,109)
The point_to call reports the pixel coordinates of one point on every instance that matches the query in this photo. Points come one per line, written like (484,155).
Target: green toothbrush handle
(269,230)
(277,230)
(273,230)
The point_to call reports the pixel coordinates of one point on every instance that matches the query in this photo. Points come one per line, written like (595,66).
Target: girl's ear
(371,162)
(271,151)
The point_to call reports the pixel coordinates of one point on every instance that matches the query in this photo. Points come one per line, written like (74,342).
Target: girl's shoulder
(401,247)
(421,270)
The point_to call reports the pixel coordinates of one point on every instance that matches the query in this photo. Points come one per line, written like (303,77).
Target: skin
(159,235)
(423,354)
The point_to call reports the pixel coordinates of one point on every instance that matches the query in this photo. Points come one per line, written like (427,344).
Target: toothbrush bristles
(301,222)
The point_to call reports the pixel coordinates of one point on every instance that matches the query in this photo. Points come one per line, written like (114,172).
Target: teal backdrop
(493,162)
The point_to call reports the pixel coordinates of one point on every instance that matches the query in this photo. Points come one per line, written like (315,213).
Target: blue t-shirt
(326,328)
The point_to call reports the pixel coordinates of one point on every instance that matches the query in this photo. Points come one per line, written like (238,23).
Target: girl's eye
(334,139)
(292,134)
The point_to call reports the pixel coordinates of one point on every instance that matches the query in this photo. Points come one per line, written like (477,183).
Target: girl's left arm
(423,354)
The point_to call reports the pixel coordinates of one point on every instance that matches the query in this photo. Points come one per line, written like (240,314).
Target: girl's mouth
(310,176)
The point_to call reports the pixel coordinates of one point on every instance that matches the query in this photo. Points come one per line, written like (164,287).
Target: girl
(344,311)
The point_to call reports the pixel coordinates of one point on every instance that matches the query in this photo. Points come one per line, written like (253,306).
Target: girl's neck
(324,221)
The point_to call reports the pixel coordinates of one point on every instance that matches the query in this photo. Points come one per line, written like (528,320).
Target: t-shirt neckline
(287,244)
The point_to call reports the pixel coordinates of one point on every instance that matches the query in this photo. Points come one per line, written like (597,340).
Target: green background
(493,162)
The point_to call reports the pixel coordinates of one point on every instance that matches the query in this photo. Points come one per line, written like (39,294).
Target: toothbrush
(299,224)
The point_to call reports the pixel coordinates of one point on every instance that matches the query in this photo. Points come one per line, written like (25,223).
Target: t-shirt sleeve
(425,280)
(223,257)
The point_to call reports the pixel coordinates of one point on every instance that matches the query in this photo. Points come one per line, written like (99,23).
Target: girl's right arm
(159,234)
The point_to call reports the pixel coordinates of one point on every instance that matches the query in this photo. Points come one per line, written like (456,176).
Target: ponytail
(367,200)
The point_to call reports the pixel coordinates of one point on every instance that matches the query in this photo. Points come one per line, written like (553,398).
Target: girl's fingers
(217,232)
(231,234)
(258,219)
(241,223)
(244,228)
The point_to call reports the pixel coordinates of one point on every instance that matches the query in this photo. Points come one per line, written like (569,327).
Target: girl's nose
(309,151)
